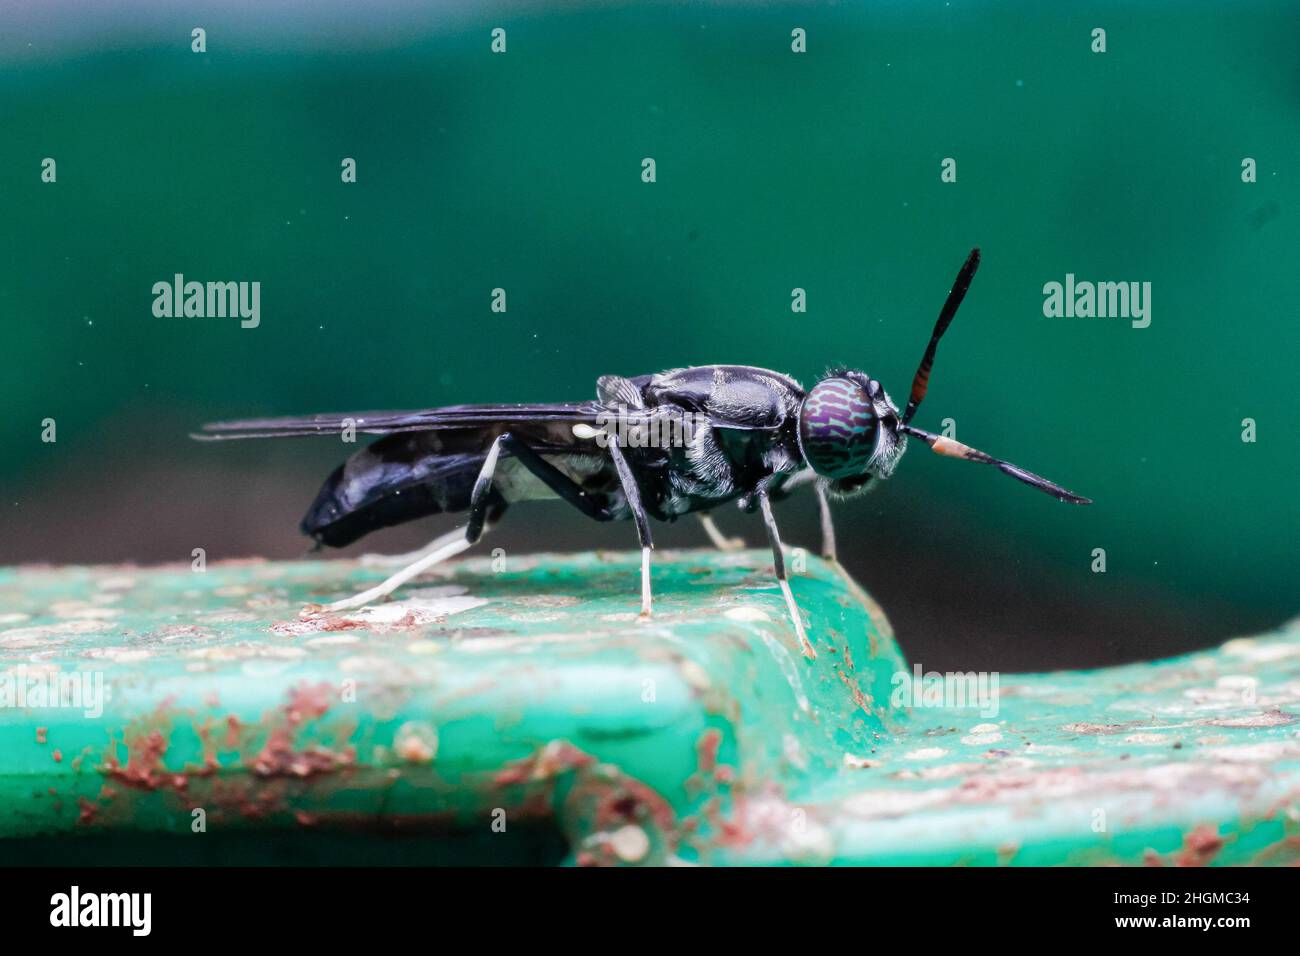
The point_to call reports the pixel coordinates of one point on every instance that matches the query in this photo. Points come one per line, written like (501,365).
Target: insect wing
(387,423)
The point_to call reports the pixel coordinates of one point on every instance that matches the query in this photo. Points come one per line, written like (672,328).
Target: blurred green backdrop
(775,170)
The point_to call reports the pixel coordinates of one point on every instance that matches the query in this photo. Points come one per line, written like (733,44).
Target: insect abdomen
(368,493)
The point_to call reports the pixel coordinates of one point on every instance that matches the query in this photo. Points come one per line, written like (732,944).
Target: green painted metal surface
(518,711)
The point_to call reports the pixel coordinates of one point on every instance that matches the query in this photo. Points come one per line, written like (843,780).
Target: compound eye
(838,428)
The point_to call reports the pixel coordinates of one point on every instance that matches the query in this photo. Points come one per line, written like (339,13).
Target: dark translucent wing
(387,423)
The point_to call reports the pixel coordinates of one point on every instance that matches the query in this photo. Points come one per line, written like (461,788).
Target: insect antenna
(921,381)
(951,448)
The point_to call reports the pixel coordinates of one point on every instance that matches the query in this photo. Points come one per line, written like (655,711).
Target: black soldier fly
(735,433)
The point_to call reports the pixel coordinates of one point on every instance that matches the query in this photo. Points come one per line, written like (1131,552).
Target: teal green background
(775,171)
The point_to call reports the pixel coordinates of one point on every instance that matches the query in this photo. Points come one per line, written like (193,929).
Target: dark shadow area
(525,844)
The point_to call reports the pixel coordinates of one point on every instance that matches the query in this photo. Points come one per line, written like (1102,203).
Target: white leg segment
(798,621)
(645,582)
(828,526)
(387,587)
(778,565)
(401,560)
(453,546)
(720,541)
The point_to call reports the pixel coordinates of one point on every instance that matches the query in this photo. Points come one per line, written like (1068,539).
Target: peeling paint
(532,700)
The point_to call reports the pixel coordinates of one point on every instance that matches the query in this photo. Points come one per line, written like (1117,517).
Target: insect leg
(828,525)
(560,483)
(633,495)
(572,492)
(391,584)
(720,541)
(400,560)
(778,563)
(478,509)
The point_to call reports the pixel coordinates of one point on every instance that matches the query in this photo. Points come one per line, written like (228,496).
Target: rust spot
(1200,847)
(143,769)
(58,756)
(1269,718)
(627,800)
(276,768)
(1286,850)
(278,756)
(88,811)
(601,801)
(1098,729)
(310,701)
(40,735)
(548,762)
(320,623)
(855,691)
(706,749)
(732,833)
(210,762)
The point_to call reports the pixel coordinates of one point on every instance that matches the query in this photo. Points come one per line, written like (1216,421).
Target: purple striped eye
(838,428)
